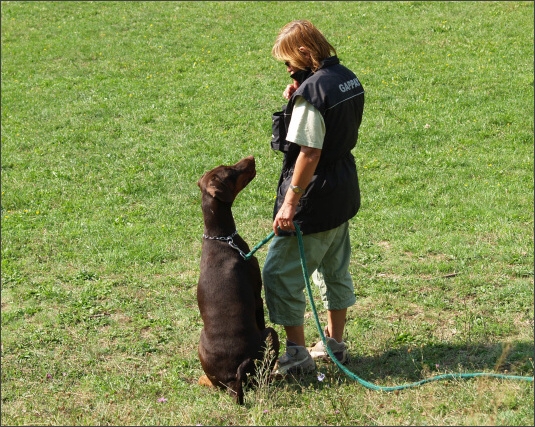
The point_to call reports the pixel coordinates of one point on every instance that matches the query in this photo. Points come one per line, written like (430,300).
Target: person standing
(318,189)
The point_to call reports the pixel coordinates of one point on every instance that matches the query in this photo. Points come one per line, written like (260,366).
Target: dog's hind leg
(204,380)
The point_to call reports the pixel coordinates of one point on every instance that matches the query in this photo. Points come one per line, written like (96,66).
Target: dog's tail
(246,367)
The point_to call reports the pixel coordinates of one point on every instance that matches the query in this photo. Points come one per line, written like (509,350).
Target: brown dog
(229,288)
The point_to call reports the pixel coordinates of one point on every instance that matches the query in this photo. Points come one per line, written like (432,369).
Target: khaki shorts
(327,255)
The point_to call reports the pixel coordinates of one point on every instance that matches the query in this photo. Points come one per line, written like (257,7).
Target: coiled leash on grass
(342,367)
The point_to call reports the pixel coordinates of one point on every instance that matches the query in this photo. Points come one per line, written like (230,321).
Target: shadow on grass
(410,364)
(414,364)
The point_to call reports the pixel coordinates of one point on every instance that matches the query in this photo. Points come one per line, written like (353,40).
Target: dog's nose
(248,161)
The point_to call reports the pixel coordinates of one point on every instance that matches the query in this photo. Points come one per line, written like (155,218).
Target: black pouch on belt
(278,132)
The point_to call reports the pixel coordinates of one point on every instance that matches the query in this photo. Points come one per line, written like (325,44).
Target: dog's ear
(218,189)
(201,179)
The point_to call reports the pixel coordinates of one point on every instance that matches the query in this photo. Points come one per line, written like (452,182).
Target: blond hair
(302,33)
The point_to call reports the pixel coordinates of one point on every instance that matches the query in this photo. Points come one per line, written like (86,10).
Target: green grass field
(111,111)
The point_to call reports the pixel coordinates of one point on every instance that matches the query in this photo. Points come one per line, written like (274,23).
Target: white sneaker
(339,349)
(297,359)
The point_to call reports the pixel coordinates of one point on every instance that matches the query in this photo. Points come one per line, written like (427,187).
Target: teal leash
(262,243)
(342,367)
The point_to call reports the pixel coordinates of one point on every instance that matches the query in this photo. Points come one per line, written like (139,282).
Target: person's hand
(284,218)
(290,89)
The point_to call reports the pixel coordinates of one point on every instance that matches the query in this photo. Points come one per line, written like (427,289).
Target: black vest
(333,195)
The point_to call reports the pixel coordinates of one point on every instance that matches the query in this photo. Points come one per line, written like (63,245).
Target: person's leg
(284,285)
(285,299)
(336,288)
(283,282)
(283,279)
(335,284)
(295,334)
(336,321)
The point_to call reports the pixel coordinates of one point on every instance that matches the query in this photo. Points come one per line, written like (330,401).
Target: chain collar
(229,240)
(221,238)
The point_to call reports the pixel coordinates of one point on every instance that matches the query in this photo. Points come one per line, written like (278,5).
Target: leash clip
(235,246)
(229,240)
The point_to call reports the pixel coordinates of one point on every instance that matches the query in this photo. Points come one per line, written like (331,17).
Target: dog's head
(225,182)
